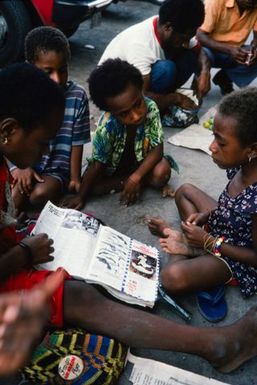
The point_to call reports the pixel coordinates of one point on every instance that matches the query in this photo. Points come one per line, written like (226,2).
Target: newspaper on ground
(128,269)
(150,372)
(196,136)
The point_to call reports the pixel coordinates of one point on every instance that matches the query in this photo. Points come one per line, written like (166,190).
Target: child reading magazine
(127,268)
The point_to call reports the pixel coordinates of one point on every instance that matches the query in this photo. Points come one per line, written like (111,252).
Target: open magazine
(128,269)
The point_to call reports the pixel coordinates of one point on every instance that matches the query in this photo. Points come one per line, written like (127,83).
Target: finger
(50,241)
(190,218)
(51,250)
(38,177)
(19,186)
(77,187)
(27,188)
(184,226)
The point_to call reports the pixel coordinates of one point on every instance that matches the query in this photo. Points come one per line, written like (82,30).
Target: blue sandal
(212,304)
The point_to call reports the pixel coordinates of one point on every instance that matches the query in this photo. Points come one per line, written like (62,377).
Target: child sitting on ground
(219,239)
(26,126)
(128,143)
(60,169)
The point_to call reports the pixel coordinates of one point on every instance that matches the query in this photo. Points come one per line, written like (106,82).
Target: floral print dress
(233,219)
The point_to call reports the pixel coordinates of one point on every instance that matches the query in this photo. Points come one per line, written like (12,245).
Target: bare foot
(167,191)
(158,226)
(233,345)
(172,246)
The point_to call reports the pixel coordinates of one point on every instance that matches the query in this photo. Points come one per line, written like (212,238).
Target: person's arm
(237,53)
(80,136)
(196,237)
(204,76)
(89,177)
(75,170)
(150,161)
(164,101)
(34,250)
(91,174)
(132,185)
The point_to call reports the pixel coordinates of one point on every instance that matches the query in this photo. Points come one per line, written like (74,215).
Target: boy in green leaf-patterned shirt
(128,143)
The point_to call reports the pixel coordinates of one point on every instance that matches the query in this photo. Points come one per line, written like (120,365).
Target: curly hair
(28,95)
(111,78)
(45,39)
(242,106)
(183,15)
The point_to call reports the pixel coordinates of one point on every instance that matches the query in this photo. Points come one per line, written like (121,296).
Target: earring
(5,140)
(249,158)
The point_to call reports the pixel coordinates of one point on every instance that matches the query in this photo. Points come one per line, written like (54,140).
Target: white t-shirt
(138,45)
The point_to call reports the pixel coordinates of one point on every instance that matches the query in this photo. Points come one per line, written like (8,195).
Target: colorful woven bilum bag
(74,356)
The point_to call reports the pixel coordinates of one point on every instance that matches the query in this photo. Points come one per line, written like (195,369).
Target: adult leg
(190,199)
(225,348)
(187,64)
(225,62)
(163,76)
(50,189)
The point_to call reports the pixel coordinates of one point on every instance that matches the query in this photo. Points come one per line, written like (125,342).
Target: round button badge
(70,367)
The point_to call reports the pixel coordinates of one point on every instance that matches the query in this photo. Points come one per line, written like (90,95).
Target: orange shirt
(224,23)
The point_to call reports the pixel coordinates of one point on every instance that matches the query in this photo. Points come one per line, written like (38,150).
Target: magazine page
(74,234)
(108,265)
(143,272)
(150,372)
(49,220)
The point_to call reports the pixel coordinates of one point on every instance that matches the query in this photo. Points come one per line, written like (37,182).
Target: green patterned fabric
(110,137)
(76,357)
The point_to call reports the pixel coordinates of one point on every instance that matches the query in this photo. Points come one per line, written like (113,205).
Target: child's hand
(198,218)
(185,102)
(73,202)
(131,191)
(20,313)
(74,186)
(25,179)
(194,234)
(41,248)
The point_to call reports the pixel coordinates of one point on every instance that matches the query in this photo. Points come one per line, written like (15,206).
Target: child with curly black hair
(128,143)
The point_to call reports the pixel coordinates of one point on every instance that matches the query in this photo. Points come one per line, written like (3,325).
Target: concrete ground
(195,167)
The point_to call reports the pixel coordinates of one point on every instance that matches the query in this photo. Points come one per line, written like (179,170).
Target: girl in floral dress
(219,239)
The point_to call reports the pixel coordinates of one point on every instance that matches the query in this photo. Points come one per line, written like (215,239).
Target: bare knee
(43,192)
(161,174)
(39,195)
(184,191)
(174,278)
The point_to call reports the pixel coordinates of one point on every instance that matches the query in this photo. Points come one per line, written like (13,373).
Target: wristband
(27,248)
(217,246)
